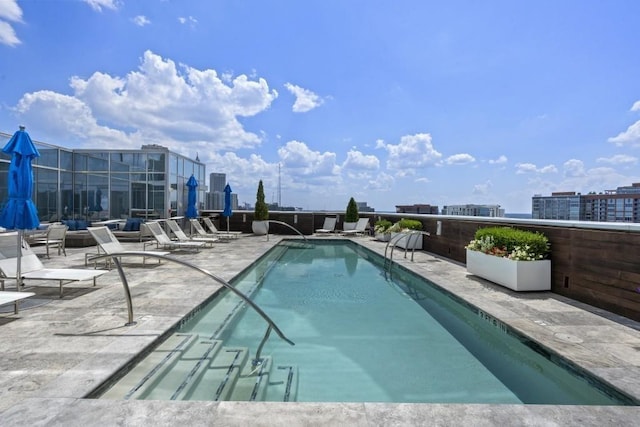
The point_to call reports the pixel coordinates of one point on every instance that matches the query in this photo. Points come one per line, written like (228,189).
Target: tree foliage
(261,212)
(352,211)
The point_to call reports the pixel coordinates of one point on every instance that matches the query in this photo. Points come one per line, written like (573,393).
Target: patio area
(56,351)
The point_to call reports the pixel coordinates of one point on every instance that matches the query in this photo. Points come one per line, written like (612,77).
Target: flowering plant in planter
(512,243)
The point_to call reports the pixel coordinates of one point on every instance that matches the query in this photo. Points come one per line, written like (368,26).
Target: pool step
(189,367)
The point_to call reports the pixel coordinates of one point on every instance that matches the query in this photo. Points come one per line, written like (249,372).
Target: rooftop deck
(55,353)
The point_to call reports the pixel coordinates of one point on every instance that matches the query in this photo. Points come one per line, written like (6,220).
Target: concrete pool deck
(56,352)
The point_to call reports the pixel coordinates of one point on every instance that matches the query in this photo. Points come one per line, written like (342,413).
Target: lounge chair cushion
(76,224)
(132,224)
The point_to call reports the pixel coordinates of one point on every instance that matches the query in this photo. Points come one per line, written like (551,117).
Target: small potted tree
(351,215)
(260,225)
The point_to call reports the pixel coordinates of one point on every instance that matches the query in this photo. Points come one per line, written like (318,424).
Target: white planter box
(402,242)
(383,237)
(516,275)
(260,228)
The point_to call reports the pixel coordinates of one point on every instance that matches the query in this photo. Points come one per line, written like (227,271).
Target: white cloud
(618,159)
(499,161)
(631,136)
(531,168)
(188,20)
(299,160)
(305,99)
(460,159)
(482,189)
(381,182)
(97,5)
(574,168)
(141,21)
(159,103)
(357,160)
(413,151)
(9,11)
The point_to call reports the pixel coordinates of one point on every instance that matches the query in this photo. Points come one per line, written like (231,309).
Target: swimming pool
(360,336)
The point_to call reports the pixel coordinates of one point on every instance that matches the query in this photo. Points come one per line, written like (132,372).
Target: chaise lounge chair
(7,297)
(212,228)
(109,244)
(31,268)
(329,225)
(182,237)
(164,242)
(201,232)
(360,230)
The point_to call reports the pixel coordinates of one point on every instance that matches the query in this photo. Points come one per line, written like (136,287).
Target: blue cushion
(132,224)
(71,223)
(81,224)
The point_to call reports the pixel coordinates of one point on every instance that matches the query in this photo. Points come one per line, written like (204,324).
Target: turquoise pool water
(361,336)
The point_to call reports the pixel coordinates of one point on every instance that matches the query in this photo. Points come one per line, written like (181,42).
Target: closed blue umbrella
(19,213)
(192,211)
(227,204)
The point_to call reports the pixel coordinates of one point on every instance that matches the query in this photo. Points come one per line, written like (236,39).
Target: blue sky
(389,102)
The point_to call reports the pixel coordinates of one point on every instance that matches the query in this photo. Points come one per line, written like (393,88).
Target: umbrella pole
(19,262)
(227,224)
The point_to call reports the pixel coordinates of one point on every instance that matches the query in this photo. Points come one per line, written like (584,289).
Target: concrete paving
(56,351)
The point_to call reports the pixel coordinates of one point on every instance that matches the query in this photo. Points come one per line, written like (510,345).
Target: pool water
(361,335)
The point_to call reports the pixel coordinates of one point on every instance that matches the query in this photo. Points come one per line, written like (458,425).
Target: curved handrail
(116,259)
(408,234)
(284,223)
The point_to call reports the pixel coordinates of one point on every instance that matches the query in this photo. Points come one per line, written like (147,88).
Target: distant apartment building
(473,210)
(215,196)
(619,205)
(363,207)
(417,209)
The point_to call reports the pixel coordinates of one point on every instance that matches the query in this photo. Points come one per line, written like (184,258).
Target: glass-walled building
(108,184)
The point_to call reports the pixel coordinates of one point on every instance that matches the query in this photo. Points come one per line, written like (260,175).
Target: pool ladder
(411,236)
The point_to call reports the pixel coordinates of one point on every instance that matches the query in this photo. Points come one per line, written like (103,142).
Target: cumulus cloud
(357,160)
(631,136)
(381,182)
(305,99)
(574,167)
(522,168)
(300,161)
(482,188)
(141,21)
(413,152)
(499,161)
(9,12)
(190,20)
(98,5)
(159,103)
(618,159)
(460,159)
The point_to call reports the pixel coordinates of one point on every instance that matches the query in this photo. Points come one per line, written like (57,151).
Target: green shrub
(406,224)
(511,243)
(261,212)
(351,215)
(382,226)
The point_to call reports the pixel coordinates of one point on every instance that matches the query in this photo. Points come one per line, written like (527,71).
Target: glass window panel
(66,160)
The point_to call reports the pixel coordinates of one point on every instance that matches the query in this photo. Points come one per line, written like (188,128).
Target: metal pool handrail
(408,234)
(115,256)
(284,223)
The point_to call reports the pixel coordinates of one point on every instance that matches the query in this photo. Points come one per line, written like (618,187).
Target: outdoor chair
(329,225)
(201,232)
(360,230)
(7,297)
(107,243)
(31,268)
(212,228)
(56,236)
(164,242)
(182,237)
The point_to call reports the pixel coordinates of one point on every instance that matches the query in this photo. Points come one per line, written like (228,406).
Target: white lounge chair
(329,225)
(214,230)
(31,268)
(182,237)
(360,230)
(201,232)
(7,297)
(108,243)
(56,236)
(163,241)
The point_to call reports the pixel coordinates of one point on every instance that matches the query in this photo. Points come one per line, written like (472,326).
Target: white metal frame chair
(360,230)
(56,236)
(163,241)
(31,268)
(329,225)
(108,243)
(201,232)
(212,228)
(182,237)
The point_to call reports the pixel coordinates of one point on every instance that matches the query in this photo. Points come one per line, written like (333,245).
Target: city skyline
(441,104)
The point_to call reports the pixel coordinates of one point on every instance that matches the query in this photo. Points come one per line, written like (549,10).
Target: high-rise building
(417,209)
(473,210)
(619,205)
(217,182)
